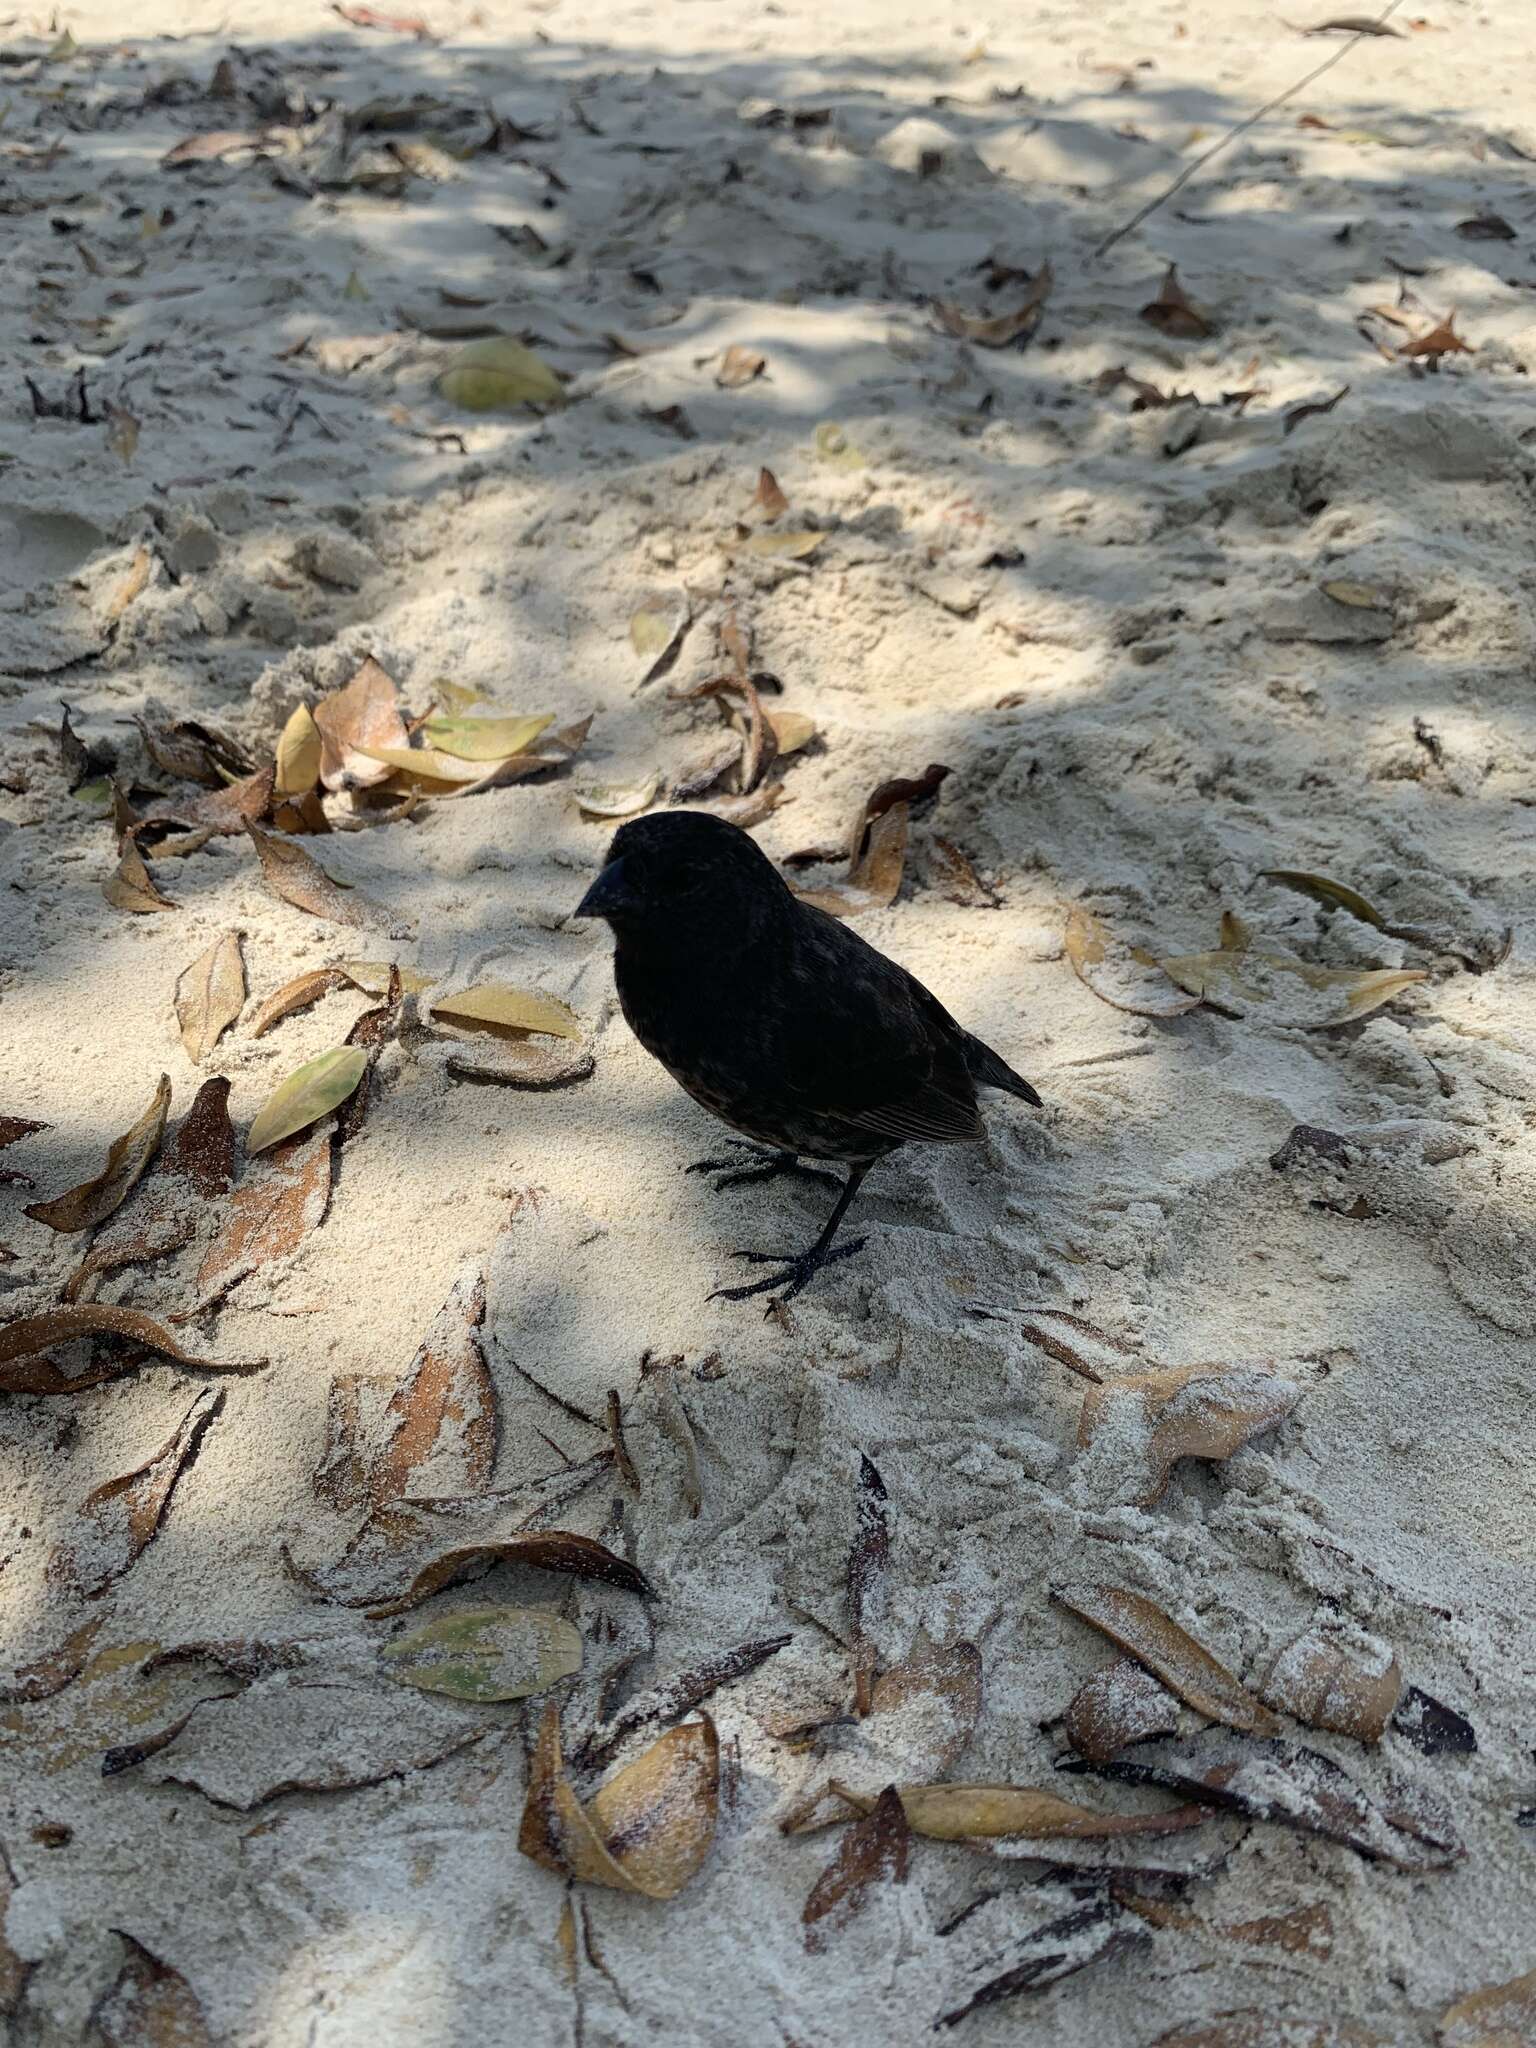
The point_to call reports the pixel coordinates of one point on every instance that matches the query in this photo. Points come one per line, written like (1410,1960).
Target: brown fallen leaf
(1313,409)
(150,2005)
(647,1830)
(443,1414)
(768,497)
(966,1813)
(27,1337)
(952,873)
(1251,2027)
(298,994)
(1241,980)
(1119,1705)
(1202,1411)
(14,1969)
(1303,1931)
(209,146)
(83,1207)
(372,17)
(530,1065)
(877,846)
(279,1201)
(1043,1952)
(1439,340)
(1174,313)
(218,811)
(999,330)
(868,1560)
(738,366)
(1317,1681)
(1125,977)
(676,1697)
(195,1166)
(194,752)
(1498,2016)
(1352,25)
(209,996)
(133,584)
(122,1517)
(44,1676)
(550,1550)
(871,1856)
(366,713)
(298,878)
(1136,1624)
(131,886)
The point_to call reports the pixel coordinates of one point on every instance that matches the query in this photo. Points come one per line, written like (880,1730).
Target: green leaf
(497,375)
(309,1092)
(488,1653)
(499,1007)
(1332,895)
(485,739)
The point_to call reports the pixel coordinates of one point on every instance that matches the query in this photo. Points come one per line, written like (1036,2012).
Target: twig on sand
(1200,162)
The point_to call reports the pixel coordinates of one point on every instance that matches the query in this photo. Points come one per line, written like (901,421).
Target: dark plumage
(779,1018)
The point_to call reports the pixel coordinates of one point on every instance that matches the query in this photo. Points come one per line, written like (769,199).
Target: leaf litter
(210,995)
(116,1523)
(83,1207)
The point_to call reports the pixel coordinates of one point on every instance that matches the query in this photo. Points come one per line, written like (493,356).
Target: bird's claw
(732,1173)
(796,1269)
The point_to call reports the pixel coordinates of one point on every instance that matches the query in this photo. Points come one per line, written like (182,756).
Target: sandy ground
(1110,624)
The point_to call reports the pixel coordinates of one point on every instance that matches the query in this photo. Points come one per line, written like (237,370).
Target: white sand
(1166,738)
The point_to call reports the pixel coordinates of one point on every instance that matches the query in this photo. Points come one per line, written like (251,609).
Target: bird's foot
(795,1271)
(731,1173)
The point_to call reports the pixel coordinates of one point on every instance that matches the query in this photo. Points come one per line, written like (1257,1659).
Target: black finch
(780,1019)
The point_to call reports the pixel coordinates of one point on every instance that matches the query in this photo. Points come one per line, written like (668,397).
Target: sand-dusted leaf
(1119,1705)
(1433,1727)
(14,1969)
(999,330)
(298,878)
(42,1677)
(117,1522)
(217,811)
(792,730)
(278,1203)
(1360,597)
(1242,980)
(1499,2016)
(548,1550)
(967,1813)
(245,1658)
(834,448)
(656,632)
(792,547)
(739,365)
(1121,975)
(1319,1681)
(133,583)
(676,1697)
(131,886)
(1250,2026)
(498,1007)
(150,2005)
(196,1164)
(530,1063)
(872,1855)
(373,977)
(1153,1419)
(30,1336)
(1136,1624)
(1300,1788)
(83,1207)
(1439,340)
(1010,1960)
(308,1093)
(485,739)
(953,873)
(300,749)
(487,1653)
(209,996)
(1174,313)
(366,713)
(1331,894)
(770,500)
(193,752)
(443,1415)
(869,1558)
(616,799)
(498,374)
(298,994)
(277,1737)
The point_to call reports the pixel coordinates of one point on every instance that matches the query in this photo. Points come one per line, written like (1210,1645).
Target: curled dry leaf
(556,750)
(616,799)
(131,886)
(83,1207)
(793,547)
(792,730)
(952,873)
(277,1204)
(1433,1727)
(1123,976)
(300,750)
(498,374)
(298,878)
(879,850)
(29,1336)
(738,366)
(496,1006)
(487,1653)
(549,1550)
(366,713)
(44,1676)
(768,497)
(1185,1411)
(218,811)
(1012,1960)
(1119,1705)
(526,1065)
(209,996)
(656,632)
(121,1518)
(999,330)
(966,1813)
(1439,340)
(1317,1681)
(1136,1624)
(150,2005)
(426,770)
(871,1856)
(1312,410)
(1243,981)
(676,1697)
(194,752)
(868,1561)
(297,994)
(1499,2016)
(133,584)
(1174,313)
(647,1830)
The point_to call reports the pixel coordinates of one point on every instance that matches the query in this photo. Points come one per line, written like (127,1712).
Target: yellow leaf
(497,375)
(132,584)
(372,977)
(309,1092)
(423,764)
(485,739)
(503,1008)
(298,755)
(835,448)
(795,545)
(792,729)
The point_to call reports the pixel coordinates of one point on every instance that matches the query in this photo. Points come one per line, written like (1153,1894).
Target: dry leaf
(1123,976)
(28,1336)
(484,739)
(549,1550)
(1357,596)
(300,749)
(868,1559)
(739,366)
(298,878)
(41,1679)
(1317,1681)
(1045,1952)
(951,872)
(792,730)
(150,2005)
(276,1205)
(1134,1623)
(1312,410)
(496,1006)
(122,1517)
(768,497)
(14,1969)
(208,147)
(443,1413)
(219,811)
(364,714)
(1119,1705)
(656,633)
(790,546)
(498,374)
(615,799)
(487,1653)
(999,330)
(1433,1727)
(556,751)
(1249,2027)
(298,994)
(1485,227)
(83,1207)
(209,996)
(1500,2016)
(966,1813)
(874,880)
(131,887)
(308,1093)
(676,1697)
(1439,340)
(133,584)
(196,1165)
(1186,1411)
(834,448)
(529,1064)
(1240,980)
(873,1854)
(1173,313)
(194,752)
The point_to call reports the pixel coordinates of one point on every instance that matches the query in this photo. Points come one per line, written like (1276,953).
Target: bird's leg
(732,1173)
(796,1269)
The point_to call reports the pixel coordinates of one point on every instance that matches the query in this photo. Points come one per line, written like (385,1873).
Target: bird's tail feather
(989,1070)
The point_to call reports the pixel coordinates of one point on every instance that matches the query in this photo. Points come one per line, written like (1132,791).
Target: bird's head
(678,872)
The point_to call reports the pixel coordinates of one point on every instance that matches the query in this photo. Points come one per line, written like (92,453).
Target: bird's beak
(609,895)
